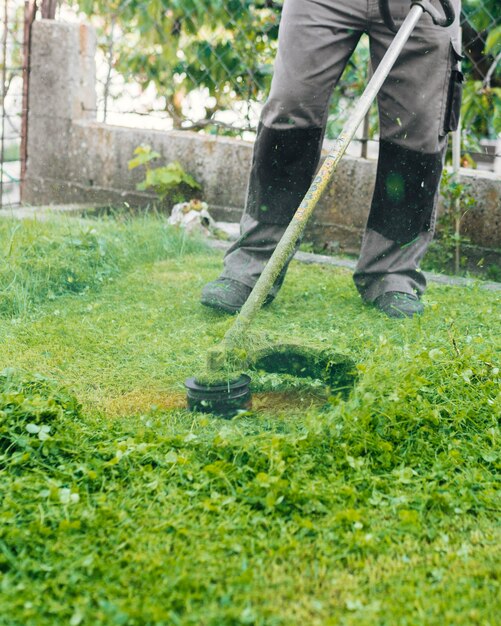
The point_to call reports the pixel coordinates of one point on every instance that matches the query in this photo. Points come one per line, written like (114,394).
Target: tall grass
(43,260)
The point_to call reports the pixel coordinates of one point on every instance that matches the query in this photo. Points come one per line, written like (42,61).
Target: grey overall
(418,106)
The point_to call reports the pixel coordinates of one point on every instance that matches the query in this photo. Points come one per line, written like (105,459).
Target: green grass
(120,507)
(43,260)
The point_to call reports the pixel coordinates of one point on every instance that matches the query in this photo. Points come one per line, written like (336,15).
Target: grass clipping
(294,358)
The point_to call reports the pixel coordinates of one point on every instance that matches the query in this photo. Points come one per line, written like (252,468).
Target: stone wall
(72,158)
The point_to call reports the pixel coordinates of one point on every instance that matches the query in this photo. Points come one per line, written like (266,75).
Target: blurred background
(206,66)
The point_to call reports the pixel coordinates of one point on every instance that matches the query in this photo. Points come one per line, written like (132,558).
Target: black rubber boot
(225,294)
(399,305)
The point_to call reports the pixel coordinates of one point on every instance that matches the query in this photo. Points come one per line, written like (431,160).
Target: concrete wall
(72,158)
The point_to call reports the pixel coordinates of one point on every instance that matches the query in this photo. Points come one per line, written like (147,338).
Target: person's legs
(316,39)
(414,110)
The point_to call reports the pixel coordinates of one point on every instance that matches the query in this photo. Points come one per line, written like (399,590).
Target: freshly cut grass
(120,507)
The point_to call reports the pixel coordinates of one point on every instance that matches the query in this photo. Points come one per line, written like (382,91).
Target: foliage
(457,201)
(31,411)
(481,106)
(229,58)
(482,89)
(166,181)
(11,65)
(11,153)
(480,113)
(381,509)
(175,47)
(481,13)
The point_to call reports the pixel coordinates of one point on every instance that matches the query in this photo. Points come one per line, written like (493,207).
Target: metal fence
(11,99)
(15,33)
(481,110)
(206,65)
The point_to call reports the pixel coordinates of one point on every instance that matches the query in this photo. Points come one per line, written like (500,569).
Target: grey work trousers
(418,106)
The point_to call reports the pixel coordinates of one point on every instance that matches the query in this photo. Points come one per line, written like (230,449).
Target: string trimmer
(223,388)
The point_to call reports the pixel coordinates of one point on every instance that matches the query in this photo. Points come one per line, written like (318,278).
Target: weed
(31,412)
(166,181)
(457,202)
(493,272)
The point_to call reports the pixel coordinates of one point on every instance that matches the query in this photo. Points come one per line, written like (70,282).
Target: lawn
(119,507)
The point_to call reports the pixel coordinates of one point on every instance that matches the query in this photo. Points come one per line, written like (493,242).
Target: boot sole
(218,306)
(228,308)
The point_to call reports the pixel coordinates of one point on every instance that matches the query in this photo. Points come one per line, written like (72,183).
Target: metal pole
(30,10)
(456,139)
(107,84)
(456,177)
(4,93)
(366,126)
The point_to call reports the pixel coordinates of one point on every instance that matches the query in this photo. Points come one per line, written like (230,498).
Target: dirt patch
(286,401)
(144,400)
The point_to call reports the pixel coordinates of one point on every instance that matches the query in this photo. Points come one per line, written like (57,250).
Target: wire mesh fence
(11,99)
(481,110)
(15,33)
(206,65)
(197,64)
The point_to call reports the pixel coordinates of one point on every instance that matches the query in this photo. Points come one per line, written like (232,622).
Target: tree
(174,45)
(226,48)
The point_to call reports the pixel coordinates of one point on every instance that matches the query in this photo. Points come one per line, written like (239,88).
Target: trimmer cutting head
(225,394)
(223,398)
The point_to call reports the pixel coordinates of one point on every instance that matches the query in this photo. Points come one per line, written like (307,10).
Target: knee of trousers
(300,111)
(405,193)
(283,166)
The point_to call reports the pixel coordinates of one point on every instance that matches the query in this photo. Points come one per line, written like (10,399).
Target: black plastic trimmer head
(225,399)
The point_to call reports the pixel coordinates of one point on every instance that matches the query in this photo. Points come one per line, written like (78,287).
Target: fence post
(30,10)
(49,9)
(3,95)
(62,93)
(456,174)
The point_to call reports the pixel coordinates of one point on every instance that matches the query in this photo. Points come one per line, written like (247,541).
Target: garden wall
(72,158)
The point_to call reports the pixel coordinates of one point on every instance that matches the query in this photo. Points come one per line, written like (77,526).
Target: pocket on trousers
(454,95)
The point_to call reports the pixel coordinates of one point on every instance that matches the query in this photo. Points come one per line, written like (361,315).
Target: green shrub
(167,181)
